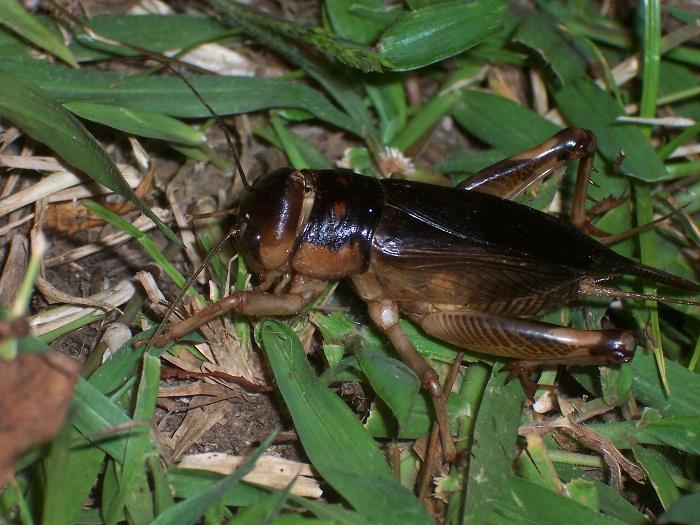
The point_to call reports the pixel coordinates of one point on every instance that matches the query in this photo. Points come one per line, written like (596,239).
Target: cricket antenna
(220,122)
(165,62)
(159,330)
(238,228)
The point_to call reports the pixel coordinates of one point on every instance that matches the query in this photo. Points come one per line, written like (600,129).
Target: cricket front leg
(302,291)
(244,303)
(385,314)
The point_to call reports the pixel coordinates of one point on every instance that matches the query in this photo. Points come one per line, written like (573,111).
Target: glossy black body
(426,243)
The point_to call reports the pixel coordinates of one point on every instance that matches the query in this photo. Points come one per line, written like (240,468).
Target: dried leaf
(34,393)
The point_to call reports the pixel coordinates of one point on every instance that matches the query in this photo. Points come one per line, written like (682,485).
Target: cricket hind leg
(385,314)
(528,341)
(510,177)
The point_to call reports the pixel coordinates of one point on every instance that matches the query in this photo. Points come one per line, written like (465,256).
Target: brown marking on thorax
(322,262)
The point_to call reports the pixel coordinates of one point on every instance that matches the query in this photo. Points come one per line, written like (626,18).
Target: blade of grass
(155,32)
(492,454)
(684,511)
(189,511)
(684,384)
(17,19)
(137,446)
(44,119)
(358,119)
(70,474)
(659,475)
(148,245)
(170,96)
(439,30)
(334,440)
(527,502)
(642,194)
(141,123)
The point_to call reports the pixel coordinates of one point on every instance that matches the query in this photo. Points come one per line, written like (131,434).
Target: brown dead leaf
(13,270)
(12,329)
(69,218)
(35,389)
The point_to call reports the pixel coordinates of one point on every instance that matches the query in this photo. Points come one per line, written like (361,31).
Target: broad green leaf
(37,113)
(684,511)
(141,123)
(526,502)
(301,153)
(397,385)
(682,433)
(333,439)
(96,417)
(500,122)
(70,474)
(539,33)
(14,16)
(584,492)
(585,105)
(346,17)
(438,31)
(388,98)
(684,399)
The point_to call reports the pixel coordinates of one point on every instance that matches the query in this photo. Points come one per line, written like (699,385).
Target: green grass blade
(15,18)
(684,511)
(96,417)
(148,245)
(492,455)
(659,475)
(357,118)
(500,122)
(137,446)
(141,123)
(528,502)
(45,120)
(189,511)
(586,105)
(645,211)
(70,473)
(171,96)
(350,24)
(334,440)
(684,385)
(157,33)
